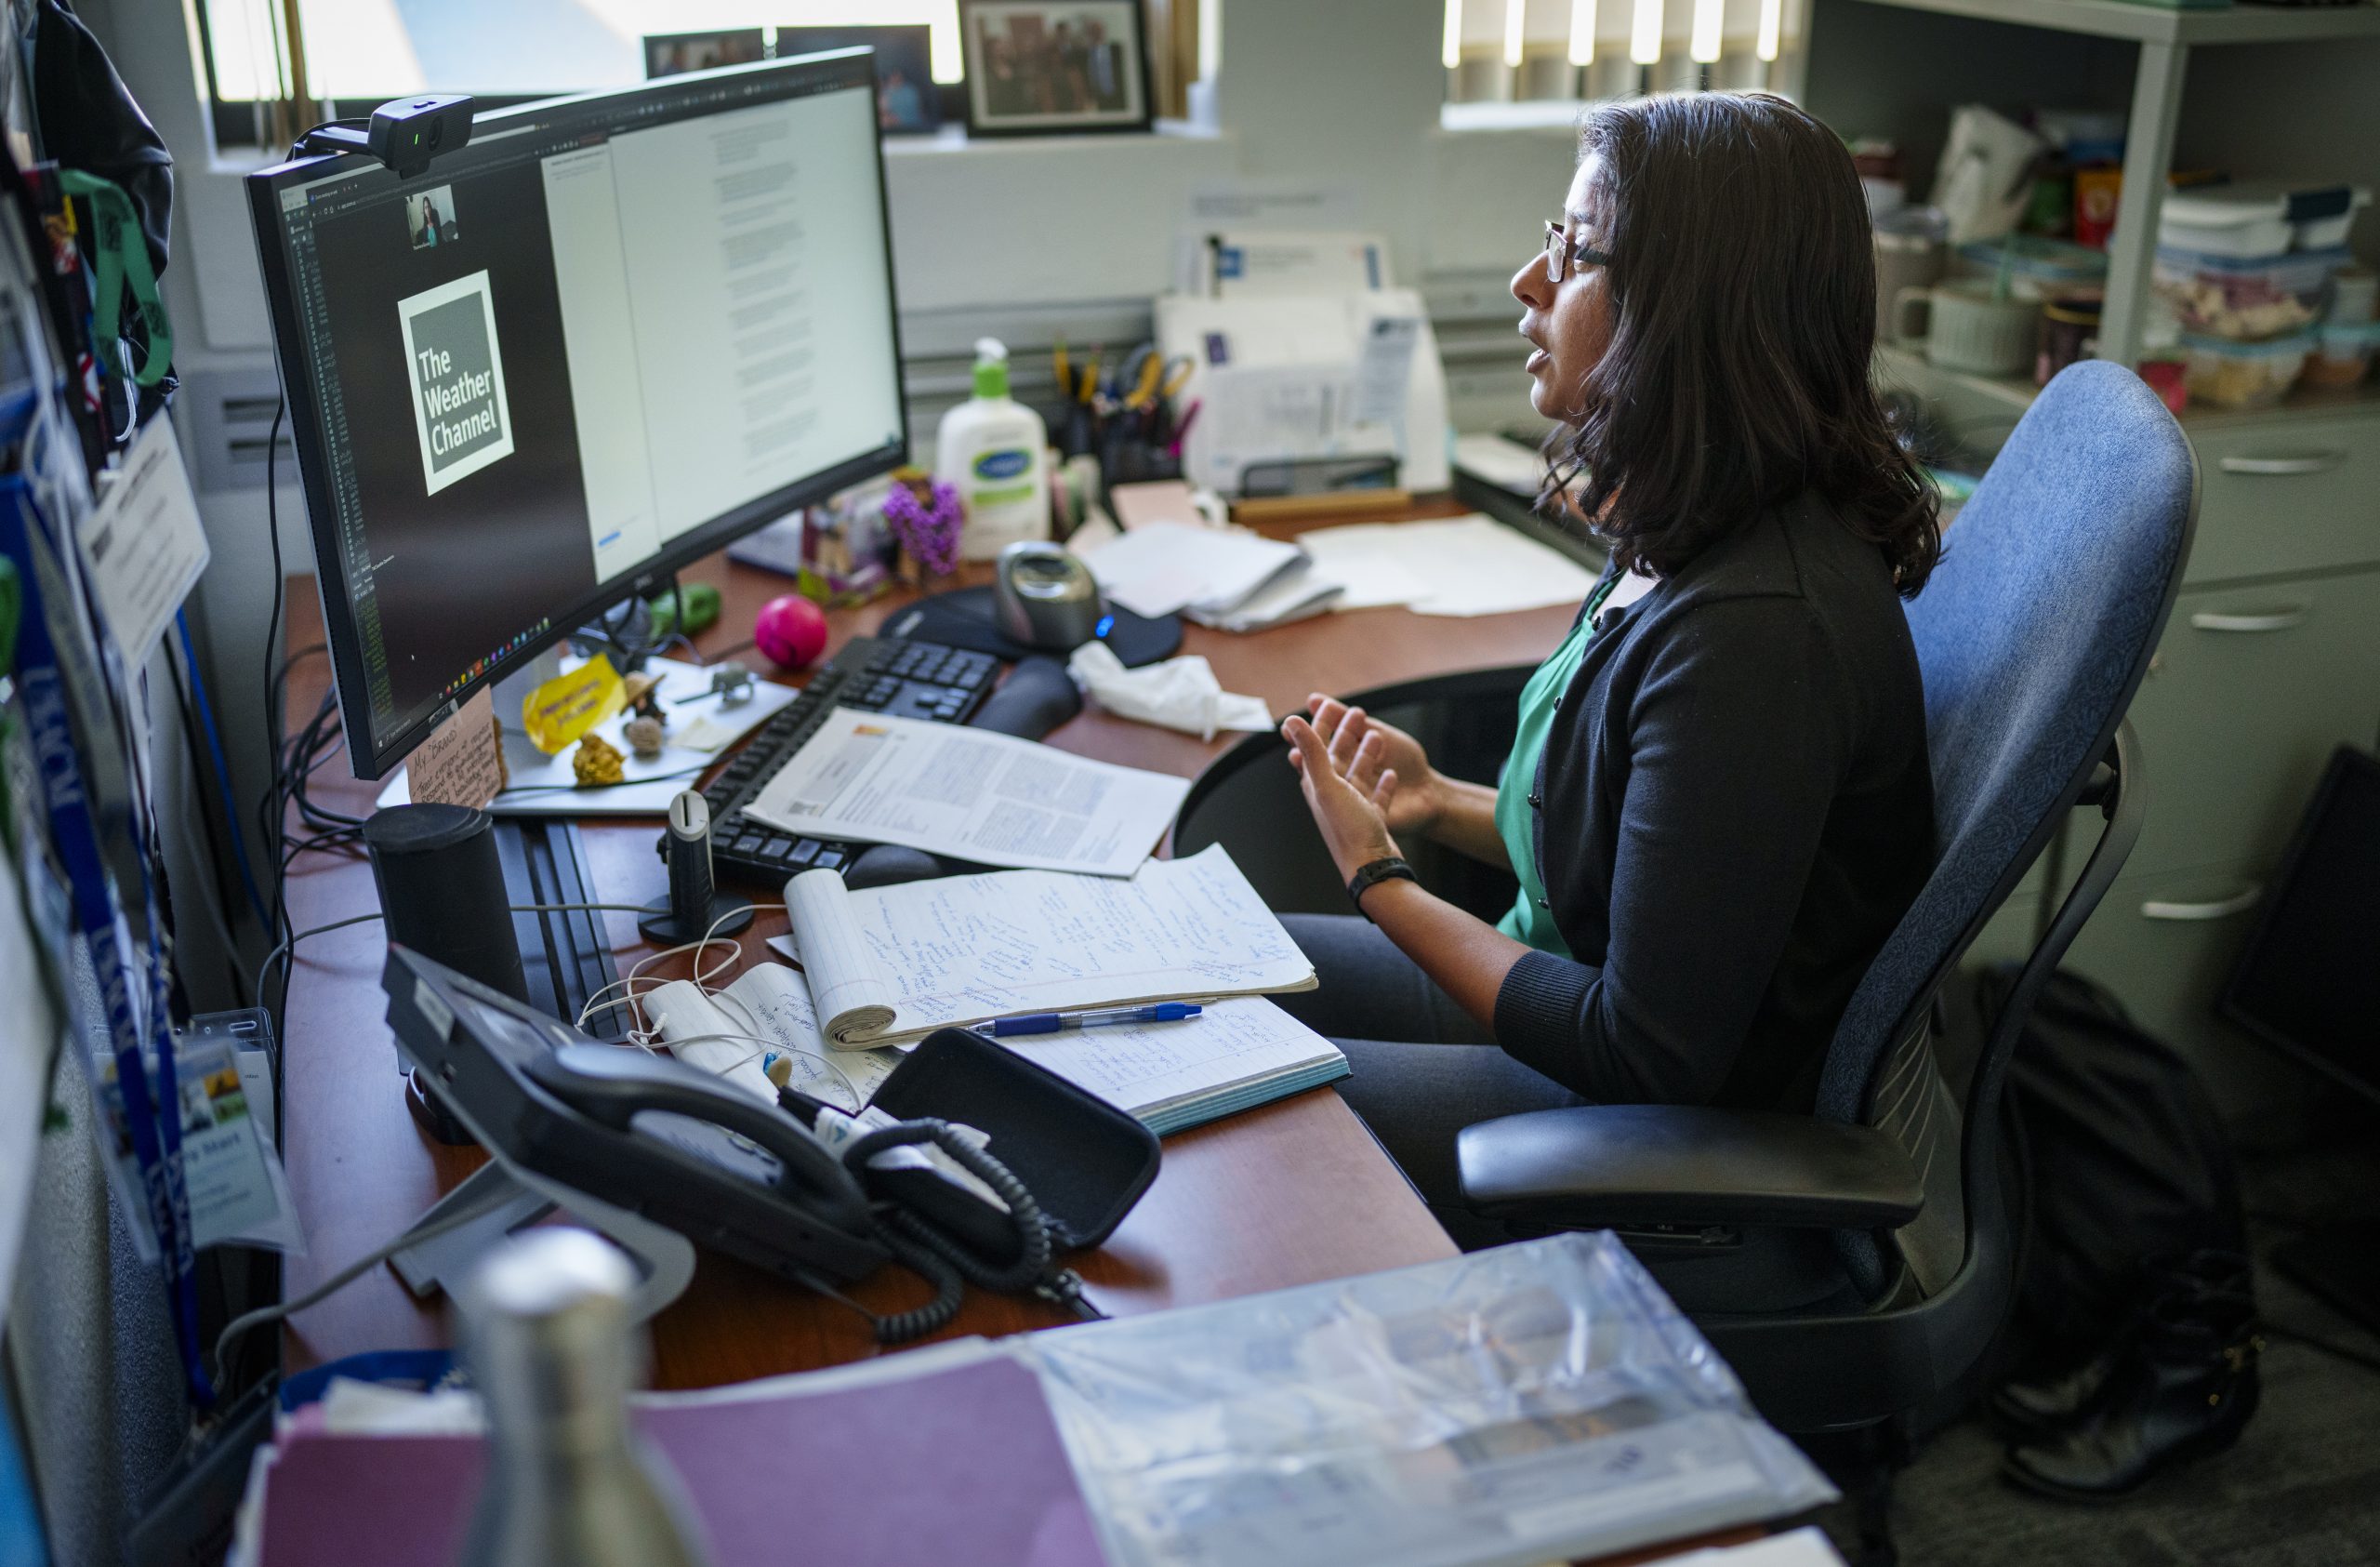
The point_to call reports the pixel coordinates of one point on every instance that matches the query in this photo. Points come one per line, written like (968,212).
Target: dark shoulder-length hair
(1742,283)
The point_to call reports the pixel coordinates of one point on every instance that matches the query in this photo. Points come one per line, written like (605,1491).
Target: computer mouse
(1045,597)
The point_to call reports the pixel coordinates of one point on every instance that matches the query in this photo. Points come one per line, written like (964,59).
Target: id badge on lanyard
(135,1012)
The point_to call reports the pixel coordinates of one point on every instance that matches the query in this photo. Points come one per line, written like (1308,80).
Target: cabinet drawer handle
(2281,467)
(2218,908)
(2273,620)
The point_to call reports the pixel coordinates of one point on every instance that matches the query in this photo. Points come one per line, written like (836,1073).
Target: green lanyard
(122,254)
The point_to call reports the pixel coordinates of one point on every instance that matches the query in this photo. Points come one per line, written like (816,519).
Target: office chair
(1247,799)
(2032,635)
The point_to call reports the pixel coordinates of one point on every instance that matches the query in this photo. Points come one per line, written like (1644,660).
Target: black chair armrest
(1594,1166)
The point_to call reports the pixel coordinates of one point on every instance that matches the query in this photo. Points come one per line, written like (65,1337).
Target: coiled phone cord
(944,1263)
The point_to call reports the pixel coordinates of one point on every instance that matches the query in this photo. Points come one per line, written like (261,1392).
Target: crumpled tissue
(1178,694)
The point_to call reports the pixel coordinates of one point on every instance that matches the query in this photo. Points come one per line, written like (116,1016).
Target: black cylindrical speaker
(442,889)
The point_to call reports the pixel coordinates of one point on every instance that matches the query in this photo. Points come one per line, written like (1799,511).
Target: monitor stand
(565,957)
(2341,1266)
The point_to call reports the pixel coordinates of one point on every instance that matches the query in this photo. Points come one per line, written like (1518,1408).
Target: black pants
(1424,1070)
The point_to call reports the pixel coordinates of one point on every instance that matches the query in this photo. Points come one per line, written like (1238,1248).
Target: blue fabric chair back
(2032,634)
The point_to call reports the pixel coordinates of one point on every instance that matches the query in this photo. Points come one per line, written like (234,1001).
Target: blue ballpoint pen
(1055,1022)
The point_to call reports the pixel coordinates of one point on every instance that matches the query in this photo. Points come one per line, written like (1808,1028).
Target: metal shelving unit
(2165,37)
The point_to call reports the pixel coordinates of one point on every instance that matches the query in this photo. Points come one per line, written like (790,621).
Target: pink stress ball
(790,631)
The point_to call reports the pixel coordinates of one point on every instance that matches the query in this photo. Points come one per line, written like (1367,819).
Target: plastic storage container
(2245,298)
(2040,269)
(2355,296)
(2235,375)
(2260,217)
(2341,355)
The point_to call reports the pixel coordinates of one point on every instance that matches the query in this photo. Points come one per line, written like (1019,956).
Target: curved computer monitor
(607,337)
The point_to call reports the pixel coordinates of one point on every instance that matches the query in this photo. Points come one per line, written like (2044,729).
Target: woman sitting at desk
(1718,804)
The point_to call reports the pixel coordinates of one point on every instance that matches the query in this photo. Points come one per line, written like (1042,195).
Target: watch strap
(1391,867)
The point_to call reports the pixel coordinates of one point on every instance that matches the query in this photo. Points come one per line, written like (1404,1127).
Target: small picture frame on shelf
(1054,67)
(674,54)
(907,103)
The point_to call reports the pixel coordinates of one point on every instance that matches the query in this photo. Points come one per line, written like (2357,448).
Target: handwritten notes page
(462,763)
(728,1032)
(964,948)
(873,778)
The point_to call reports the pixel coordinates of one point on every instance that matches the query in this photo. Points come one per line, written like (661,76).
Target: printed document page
(961,950)
(969,793)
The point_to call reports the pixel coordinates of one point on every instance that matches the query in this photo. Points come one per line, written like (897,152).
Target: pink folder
(961,1466)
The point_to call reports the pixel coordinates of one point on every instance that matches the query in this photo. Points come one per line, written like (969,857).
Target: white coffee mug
(1967,329)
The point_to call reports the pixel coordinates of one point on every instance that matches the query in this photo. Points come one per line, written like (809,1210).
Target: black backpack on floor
(2125,1157)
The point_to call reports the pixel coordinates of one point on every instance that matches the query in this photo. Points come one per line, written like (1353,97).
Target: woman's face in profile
(1567,322)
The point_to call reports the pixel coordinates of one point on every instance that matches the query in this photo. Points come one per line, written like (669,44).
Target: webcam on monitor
(405,134)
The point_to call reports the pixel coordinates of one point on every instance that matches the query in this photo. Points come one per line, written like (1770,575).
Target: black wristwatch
(1389,870)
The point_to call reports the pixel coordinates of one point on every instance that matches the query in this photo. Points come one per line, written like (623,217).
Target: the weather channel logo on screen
(459,405)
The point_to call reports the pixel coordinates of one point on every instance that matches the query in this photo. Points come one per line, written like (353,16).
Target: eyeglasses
(1561,254)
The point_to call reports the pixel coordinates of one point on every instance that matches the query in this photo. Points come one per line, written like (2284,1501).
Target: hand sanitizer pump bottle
(995,452)
(568,1484)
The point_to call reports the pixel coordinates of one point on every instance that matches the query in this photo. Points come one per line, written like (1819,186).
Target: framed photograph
(668,54)
(906,100)
(1052,67)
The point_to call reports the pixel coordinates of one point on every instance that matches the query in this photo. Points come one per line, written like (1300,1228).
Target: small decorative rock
(643,736)
(597,762)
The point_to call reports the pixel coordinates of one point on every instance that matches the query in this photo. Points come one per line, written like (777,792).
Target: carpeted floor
(2301,1489)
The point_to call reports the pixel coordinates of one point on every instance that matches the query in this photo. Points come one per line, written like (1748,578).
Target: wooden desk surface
(1291,1193)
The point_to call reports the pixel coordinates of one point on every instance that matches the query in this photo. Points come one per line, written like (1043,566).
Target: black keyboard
(906,679)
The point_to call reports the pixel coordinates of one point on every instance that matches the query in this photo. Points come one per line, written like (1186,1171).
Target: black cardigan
(1734,810)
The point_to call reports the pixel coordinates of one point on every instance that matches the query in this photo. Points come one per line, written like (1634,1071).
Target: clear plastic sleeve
(1535,1402)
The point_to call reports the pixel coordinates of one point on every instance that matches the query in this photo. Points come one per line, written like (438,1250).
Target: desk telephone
(674,1146)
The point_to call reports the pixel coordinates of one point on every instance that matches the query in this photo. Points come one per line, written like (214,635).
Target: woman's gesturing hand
(1364,750)
(1350,805)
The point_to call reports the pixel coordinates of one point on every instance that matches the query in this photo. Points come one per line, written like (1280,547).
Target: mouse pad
(964,617)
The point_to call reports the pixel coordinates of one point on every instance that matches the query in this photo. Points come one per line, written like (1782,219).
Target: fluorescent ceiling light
(1451,51)
(1772,27)
(1516,13)
(1703,46)
(1582,31)
(1645,38)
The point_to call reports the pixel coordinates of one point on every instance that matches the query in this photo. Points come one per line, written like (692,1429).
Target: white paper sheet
(1160,567)
(699,731)
(994,799)
(729,1031)
(1508,465)
(961,950)
(1464,567)
(144,542)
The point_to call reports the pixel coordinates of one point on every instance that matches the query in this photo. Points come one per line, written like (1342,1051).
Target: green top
(1531,918)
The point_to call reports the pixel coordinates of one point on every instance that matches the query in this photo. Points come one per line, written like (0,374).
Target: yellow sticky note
(461,764)
(566,706)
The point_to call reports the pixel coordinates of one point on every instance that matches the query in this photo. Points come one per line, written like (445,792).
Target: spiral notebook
(892,964)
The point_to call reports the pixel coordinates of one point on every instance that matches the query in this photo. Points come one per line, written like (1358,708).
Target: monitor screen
(606,336)
(2307,982)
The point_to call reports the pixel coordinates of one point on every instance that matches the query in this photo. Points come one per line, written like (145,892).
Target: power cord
(944,1262)
(287,950)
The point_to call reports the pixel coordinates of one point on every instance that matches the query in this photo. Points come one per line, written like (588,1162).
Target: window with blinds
(1564,51)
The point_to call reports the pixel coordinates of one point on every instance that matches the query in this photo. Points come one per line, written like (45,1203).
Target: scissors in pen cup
(1160,379)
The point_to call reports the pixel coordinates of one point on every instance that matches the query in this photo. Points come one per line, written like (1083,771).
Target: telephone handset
(654,1137)
(674,1145)
(614,1086)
